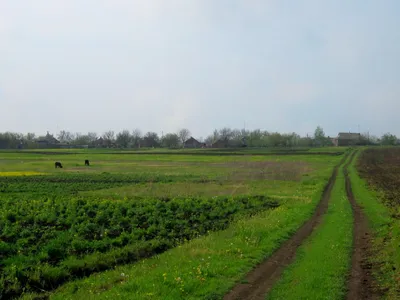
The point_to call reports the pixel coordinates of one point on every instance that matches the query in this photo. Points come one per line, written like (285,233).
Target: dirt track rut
(360,283)
(263,277)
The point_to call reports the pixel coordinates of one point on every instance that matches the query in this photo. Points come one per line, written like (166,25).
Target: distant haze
(162,65)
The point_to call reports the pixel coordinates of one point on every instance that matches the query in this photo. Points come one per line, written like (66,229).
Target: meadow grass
(207,267)
(323,261)
(207,166)
(385,234)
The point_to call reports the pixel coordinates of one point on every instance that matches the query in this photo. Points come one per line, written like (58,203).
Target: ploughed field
(59,225)
(381,167)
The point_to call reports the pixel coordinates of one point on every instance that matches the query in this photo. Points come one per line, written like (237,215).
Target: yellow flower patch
(27,173)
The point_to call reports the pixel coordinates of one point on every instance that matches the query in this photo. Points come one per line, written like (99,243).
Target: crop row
(71,183)
(47,241)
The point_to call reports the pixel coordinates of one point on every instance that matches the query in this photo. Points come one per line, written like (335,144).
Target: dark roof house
(221,143)
(348,139)
(192,143)
(47,141)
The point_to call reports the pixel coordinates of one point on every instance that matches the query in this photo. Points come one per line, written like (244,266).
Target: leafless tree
(92,137)
(65,136)
(109,137)
(225,133)
(136,137)
(183,134)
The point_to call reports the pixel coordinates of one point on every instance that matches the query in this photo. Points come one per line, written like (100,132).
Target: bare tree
(92,137)
(30,137)
(183,134)
(81,139)
(225,133)
(136,137)
(65,136)
(109,137)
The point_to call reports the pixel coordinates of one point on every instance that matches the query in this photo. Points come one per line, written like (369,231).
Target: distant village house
(221,143)
(348,139)
(193,143)
(47,141)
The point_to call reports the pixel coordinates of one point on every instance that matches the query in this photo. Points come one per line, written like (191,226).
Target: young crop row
(71,183)
(47,241)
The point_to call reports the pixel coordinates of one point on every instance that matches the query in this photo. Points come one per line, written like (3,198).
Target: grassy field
(189,224)
(59,225)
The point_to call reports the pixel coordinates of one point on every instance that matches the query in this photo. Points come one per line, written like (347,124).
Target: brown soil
(261,279)
(267,170)
(360,284)
(381,168)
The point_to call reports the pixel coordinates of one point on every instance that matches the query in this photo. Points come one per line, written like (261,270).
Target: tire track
(360,284)
(263,277)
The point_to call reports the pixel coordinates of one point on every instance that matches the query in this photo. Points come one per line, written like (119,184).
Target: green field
(180,224)
(62,224)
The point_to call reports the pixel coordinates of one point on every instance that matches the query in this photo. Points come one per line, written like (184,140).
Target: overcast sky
(158,65)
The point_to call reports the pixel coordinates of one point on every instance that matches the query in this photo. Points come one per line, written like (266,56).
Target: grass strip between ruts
(323,261)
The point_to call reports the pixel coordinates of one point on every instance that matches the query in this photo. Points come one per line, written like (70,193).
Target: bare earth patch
(268,170)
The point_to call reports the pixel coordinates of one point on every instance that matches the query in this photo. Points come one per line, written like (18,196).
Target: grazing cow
(86,162)
(58,164)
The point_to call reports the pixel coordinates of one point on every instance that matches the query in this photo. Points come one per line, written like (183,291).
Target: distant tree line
(136,139)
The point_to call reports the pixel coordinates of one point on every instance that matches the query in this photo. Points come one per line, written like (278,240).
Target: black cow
(57,164)
(86,162)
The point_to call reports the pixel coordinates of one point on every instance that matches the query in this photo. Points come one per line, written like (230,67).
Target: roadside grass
(204,268)
(322,262)
(385,234)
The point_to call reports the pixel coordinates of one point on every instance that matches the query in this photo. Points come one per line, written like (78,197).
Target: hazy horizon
(285,66)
